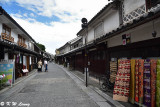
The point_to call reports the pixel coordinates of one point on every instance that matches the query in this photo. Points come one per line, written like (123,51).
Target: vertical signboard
(126,39)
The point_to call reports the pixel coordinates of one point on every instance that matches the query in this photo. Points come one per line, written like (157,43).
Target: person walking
(46,65)
(40,66)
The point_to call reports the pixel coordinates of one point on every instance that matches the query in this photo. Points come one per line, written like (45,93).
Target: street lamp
(85,26)
(84,23)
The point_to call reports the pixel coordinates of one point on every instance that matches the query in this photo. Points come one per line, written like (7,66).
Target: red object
(136,81)
(24,67)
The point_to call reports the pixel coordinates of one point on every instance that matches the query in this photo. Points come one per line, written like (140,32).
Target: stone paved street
(50,89)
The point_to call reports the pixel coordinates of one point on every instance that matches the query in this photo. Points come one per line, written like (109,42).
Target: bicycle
(106,84)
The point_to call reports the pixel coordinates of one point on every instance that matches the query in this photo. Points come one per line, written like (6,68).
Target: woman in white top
(40,66)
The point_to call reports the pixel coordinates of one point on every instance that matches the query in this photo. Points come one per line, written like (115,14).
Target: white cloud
(25,14)
(69,12)
(17,15)
(32,15)
(76,8)
(53,36)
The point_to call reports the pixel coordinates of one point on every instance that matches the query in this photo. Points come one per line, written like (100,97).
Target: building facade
(16,44)
(122,30)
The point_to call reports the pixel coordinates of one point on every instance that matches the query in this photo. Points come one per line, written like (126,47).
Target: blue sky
(14,8)
(52,22)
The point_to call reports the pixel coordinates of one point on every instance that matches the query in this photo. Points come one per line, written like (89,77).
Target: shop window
(99,30)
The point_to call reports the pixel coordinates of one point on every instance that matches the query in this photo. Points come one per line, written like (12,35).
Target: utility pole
(85,26)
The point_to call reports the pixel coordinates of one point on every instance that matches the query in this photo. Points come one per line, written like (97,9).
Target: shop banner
(7,71)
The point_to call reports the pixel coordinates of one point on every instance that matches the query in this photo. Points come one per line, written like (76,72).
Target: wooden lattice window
(6,30)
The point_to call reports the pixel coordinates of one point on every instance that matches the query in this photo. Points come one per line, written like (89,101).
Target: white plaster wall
(141,33)
(26,42)
(145,33)
(29,45)
(83,40)
(111,22)
(130,5)
(14,35)
(0,28)
(90,36)
(66,49)
(32,46)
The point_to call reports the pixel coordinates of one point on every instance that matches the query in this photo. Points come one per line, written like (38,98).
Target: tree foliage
(41,46)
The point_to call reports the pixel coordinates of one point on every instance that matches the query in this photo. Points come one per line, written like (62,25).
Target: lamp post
(85,26)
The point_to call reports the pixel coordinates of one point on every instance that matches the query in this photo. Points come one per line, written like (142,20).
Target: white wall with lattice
(132,9)
(131,5)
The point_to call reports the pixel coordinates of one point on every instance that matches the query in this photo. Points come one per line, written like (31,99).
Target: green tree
(41,46)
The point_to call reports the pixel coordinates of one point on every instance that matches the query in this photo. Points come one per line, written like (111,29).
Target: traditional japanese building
(124,30)
(16,44)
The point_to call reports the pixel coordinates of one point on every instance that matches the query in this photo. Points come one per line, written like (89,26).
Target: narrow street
(49,89)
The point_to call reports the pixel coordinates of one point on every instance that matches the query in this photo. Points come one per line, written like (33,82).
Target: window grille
(98,31)
(136,13)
